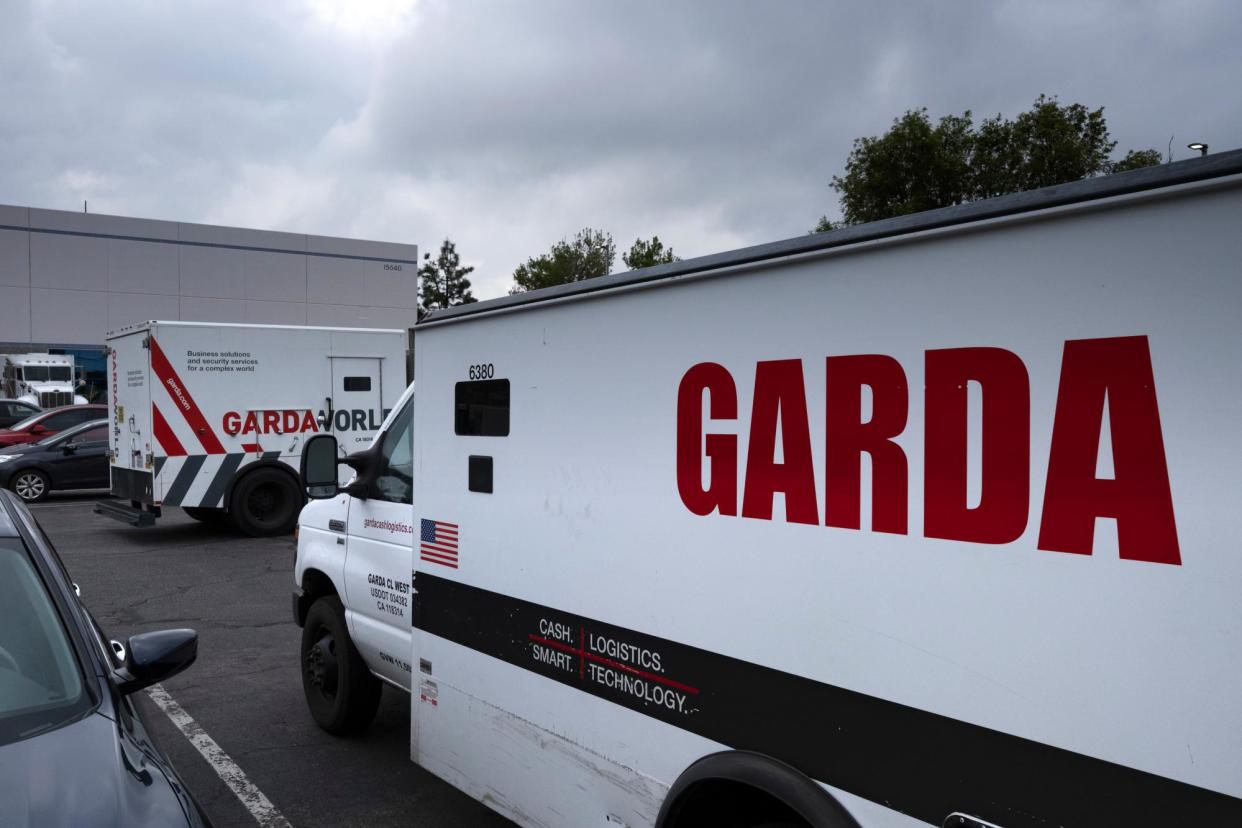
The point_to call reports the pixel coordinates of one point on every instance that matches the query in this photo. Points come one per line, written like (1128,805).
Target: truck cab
(42,380)
(353,579)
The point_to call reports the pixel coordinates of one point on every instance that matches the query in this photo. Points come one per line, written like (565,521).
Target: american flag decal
(438,542)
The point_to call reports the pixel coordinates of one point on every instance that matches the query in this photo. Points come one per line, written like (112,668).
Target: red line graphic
(164,434)
(181,395)
(582,653)
(254,447)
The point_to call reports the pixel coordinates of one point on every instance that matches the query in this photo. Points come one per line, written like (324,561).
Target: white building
(67,278)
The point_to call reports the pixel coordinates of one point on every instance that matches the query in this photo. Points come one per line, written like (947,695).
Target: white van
(927,521)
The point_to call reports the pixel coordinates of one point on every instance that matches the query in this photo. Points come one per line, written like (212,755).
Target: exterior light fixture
(1197,145)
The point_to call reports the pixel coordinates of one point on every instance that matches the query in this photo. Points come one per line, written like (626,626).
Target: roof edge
(1191,170)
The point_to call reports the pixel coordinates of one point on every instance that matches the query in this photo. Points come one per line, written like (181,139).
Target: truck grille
(55,399)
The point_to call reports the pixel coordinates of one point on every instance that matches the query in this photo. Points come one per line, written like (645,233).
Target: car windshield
(22,425)
(41,683)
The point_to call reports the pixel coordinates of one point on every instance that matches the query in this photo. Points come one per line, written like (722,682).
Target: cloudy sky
(507,126)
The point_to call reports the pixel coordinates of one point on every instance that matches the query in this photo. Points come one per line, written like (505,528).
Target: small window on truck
(357,383)
(482,408)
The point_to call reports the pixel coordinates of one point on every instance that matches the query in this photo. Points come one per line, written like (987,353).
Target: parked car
(73,459)
(46,423)
(14,411)
(74,750)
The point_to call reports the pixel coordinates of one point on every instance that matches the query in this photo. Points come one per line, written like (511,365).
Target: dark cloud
(508,126)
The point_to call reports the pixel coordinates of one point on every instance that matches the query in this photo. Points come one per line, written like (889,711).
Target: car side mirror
(318,471)
(70,448)
(38,428)
(152,657)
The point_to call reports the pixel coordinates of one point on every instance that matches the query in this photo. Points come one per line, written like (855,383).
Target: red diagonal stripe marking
(164,434)
(185,403)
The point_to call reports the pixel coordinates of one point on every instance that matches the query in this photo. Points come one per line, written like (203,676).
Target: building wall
(67,278)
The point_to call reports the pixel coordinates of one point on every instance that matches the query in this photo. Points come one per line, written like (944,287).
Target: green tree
(1137,159)
(590,254)
(918,165)
(648,254)
(822,226)
(443,279)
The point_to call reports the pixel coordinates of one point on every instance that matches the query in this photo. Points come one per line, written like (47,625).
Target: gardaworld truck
(927,521)
(212,418)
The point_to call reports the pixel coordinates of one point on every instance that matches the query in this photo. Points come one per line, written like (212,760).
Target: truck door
(356,411)
(379,556)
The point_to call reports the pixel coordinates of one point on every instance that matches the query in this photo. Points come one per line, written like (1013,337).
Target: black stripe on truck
(215,492)
(184,479)
(920,763)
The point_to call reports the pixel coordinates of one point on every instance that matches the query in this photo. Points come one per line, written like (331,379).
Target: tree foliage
(1137,159)
(590,254)
(444,283)
(648,254)
(918,165)
(823,225)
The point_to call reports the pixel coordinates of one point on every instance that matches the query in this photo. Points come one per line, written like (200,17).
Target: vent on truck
(55,399)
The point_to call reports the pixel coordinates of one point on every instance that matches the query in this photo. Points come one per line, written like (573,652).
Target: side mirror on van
(318,470)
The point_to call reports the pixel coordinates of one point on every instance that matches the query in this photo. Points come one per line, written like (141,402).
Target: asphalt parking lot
(245,689)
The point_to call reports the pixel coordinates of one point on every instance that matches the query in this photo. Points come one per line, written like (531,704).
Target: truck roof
(39,359)
(1161,176)
(142,326)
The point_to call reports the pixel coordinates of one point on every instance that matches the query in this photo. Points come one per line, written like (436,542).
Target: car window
(396,483)
(41,683)
(26,423)
(99,434)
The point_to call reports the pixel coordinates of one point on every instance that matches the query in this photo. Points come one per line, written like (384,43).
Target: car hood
(23,448)
(88,773)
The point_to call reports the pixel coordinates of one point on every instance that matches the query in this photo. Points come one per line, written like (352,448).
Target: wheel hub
(320,665)
(28,486)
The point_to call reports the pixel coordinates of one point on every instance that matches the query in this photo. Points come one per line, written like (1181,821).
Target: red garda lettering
(271,422)
(252,423)
(848,437)
(290,421)
(1138,496)
(780,396)
(720,449)
(308,423)
(1004,499)
(232,422)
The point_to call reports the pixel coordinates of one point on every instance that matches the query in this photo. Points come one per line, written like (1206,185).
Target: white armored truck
(927,521)
(212,418)
(43,380)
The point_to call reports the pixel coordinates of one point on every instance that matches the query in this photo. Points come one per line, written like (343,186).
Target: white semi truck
(927,521)
(43,380)
(213,418)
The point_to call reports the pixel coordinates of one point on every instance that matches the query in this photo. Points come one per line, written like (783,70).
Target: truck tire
(340,691)
(265,502)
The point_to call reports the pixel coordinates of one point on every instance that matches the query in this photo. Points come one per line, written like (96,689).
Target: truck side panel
(131,439)
(694,464)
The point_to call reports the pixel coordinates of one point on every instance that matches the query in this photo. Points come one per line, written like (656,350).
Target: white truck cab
(43,380)
(353,576)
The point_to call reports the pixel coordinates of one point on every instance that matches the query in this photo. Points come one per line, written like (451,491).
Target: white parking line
(259,806)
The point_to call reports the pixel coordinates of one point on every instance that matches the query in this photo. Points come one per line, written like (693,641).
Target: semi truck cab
(353,578)
(43,380)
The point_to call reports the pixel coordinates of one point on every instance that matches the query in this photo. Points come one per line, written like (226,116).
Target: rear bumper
(132,515)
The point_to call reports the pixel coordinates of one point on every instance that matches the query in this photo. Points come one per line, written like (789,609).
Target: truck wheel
(206,515)
(31,485)
(265,502)
(340,691)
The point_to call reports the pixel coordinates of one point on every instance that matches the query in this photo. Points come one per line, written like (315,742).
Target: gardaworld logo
(300,421)
(1117,370)
(177,392)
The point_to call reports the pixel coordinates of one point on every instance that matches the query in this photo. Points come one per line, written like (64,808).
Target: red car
(46,423)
